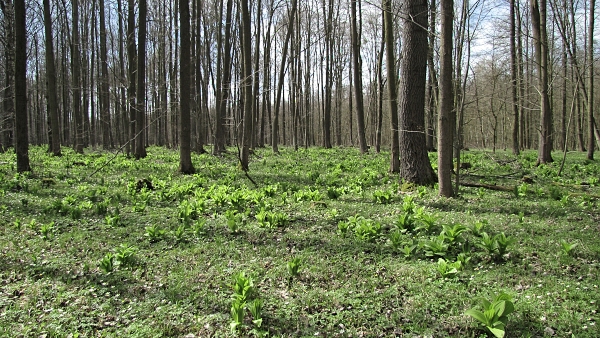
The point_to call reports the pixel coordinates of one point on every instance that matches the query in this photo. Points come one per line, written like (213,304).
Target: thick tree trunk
(51,96)
(20,102)
(415,166)
(447,114)
(185,157)
(140,122)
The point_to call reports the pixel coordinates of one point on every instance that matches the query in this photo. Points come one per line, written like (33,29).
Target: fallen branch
(487,186)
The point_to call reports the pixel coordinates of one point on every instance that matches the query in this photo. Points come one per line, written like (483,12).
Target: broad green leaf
(499,333)
(477,315)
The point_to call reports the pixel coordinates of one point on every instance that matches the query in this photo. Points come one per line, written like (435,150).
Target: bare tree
(8,115)
(131,73)
(104,83)
(590,95)
(246,85)
(513,79)
(391,81)
(185,157)
(76,64)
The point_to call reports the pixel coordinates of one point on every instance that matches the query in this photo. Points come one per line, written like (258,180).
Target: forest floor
(328,244)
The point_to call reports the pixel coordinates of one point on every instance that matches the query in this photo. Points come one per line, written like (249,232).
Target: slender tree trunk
(446,114)
(223,80)
(538,20)
(432,81)
(246,83)
(51,95)
(131,73)
(20,101)
(275,127)
(76,61)
(7,122)
(140,122)
(391,81)
(358,86)
(590,95)
(104,83)
(513,78)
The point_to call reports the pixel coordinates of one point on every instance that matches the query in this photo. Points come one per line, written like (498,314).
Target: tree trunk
(538,21)
(246,83)
(51,96)
(8,115)
(223,79)
(185,157)
(590,95)
(391,81)
(415,166)
(446,114)
(140,122)
(104,84)
(131,74)
(358,86)
(76,62)
(513,79)
(20,101)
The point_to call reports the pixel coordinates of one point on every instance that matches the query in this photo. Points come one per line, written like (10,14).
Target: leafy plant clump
(494,316)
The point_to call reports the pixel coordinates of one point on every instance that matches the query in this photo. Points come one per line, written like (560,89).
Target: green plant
(199,227)
(46,230)
(566,247)
(234,220)
(408,249)
(425,221)
(405,222)
(396,239)
(478,228)
(451,232)
(294,266)
(367,230)
(522,189)
(503,242)
(179,233)
(107,263)
(436,246)
(155,233)
(383,196)
(494,316)
(125,255)
(255,308)
(447,269)
(113,220)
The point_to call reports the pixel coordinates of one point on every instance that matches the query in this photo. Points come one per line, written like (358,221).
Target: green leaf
(477,315)
(499,333)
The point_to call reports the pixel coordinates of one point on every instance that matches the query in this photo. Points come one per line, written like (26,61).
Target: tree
(140,121)
(20,101)
(104,85)
(590,95)
(447,114)
(8,115)
(358,86)
(223,78)
(76,64)
(538,22)
(185,157)
(131,74)
(51,96)
(414,165)
(513,79)
(247,82)
(388,28)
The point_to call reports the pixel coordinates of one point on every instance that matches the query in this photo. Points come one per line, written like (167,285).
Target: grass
(58,224)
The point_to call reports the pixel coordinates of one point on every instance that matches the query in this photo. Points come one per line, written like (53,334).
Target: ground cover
(328,244)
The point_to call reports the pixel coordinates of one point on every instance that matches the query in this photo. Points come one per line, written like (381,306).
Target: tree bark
(104,85)
(590,95)
(131,73)
(538,21)
(246,84)
(140,122)
(185,157)
(391,81)
(513,80)
(51,95)
(358,85)
(446,114)
(8,115)
(20,101)
(76,63)
(415,166)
